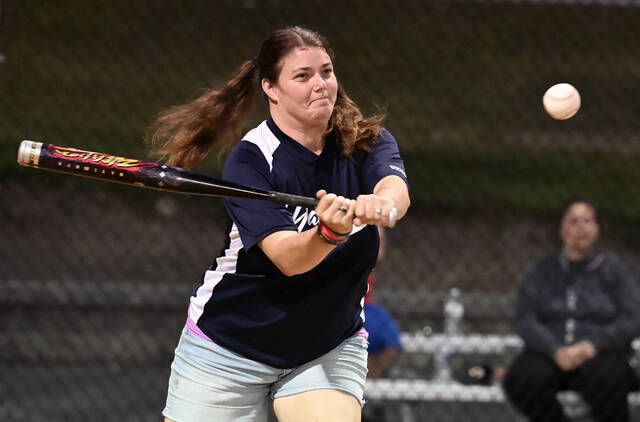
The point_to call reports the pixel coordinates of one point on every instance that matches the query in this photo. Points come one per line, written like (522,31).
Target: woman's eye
(301,76)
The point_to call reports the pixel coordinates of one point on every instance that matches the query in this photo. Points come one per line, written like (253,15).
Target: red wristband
(330,236)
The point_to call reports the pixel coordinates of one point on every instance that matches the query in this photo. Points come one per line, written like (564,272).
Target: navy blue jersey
(244,302)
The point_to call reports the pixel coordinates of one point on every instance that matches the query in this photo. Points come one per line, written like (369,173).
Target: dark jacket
(561,303)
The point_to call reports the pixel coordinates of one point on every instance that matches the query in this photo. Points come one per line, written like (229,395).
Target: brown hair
(578,200)
(184,134)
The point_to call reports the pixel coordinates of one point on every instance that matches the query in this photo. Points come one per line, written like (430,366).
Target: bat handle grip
(311,203)
(294,200)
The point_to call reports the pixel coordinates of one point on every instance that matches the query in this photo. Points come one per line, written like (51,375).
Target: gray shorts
(211,383)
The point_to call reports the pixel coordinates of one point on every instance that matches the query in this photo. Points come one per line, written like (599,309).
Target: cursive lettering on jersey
(304,218)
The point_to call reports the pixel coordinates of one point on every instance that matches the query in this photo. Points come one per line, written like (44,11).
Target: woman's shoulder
(382,141)
(254,140)
(610,257)
(612,263)
(242,151)
(246,154)
(385,134)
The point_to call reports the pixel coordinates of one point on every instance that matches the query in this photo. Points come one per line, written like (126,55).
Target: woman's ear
(270,90)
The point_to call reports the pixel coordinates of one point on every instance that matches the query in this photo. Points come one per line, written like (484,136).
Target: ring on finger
(378,210)
(343,209)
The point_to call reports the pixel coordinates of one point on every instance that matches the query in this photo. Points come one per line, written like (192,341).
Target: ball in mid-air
(561,101)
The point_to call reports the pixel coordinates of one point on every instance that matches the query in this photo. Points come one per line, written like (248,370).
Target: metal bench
(432,390)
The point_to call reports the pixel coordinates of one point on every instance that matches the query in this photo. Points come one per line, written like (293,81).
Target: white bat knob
(393,214)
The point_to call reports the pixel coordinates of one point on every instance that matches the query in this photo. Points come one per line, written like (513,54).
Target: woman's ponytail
(185,134)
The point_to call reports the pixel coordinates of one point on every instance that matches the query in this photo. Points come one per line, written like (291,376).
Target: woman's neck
(310,137)
(576,255)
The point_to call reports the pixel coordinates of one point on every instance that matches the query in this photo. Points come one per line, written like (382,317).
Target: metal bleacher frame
(431,390)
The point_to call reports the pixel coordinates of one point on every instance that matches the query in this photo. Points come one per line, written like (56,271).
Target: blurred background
(95,278)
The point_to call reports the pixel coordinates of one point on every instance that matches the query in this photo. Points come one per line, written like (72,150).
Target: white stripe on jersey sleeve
(224,264)
(263,138)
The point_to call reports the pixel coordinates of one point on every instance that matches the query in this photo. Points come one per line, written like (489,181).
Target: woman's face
(306,88)
(579,230)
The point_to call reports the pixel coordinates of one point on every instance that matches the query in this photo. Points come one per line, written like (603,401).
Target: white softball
(561,101)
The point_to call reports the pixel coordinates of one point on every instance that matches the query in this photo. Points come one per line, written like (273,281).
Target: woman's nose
(319,83)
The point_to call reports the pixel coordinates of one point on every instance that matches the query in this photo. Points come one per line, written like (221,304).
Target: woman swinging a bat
(278,315)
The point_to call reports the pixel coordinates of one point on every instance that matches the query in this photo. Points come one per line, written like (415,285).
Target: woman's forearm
(393,187)
(295,253)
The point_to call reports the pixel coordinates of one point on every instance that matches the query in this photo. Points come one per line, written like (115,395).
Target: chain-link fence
(95,278)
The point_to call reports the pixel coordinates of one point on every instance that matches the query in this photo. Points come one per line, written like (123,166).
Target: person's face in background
(579,231)
(307,88)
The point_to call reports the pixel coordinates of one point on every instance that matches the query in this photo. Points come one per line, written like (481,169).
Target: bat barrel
(118,169)
(96,165)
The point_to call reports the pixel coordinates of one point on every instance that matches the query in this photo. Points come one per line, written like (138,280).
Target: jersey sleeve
(255,219)
(383,160)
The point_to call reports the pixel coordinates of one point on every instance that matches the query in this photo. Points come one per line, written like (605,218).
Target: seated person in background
(577,311)
(384,335)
